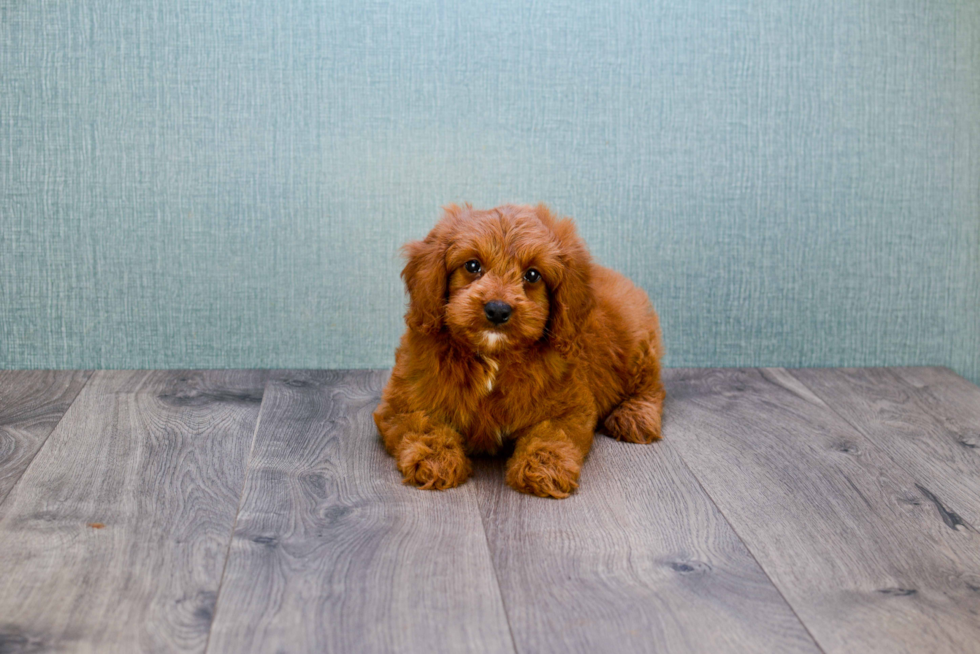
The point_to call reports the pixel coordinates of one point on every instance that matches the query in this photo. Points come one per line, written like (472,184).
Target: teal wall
(212,183)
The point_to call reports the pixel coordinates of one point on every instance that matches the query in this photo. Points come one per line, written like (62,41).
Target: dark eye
(532,276)
(472,266)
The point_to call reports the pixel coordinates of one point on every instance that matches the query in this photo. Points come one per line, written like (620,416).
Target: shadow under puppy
(514,334)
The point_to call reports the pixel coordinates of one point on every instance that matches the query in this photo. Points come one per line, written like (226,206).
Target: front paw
(432,461)
(545,469)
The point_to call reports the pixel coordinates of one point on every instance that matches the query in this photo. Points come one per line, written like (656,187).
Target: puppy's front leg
(548,457)
(429,455)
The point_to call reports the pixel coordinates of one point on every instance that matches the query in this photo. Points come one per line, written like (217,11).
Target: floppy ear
(572,299)
(425,276)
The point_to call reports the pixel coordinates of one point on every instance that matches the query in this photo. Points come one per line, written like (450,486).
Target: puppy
(515,335)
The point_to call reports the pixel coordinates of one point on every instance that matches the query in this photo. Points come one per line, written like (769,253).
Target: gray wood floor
(248,511)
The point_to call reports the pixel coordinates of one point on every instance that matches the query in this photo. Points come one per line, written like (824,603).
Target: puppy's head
(501,279)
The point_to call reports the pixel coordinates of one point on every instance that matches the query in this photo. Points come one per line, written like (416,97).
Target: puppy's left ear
(572,299)
(425,276)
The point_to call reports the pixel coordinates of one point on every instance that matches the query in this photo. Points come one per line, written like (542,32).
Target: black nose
(497,312)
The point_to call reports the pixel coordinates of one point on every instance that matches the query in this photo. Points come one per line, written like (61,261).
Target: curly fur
(582,348)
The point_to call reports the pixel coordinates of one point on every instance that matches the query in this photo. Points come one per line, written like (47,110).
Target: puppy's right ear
(425,275)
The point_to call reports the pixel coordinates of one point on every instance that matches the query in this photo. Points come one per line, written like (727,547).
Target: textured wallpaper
(191,183)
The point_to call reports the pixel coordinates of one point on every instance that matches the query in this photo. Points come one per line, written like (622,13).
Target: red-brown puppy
(515,334)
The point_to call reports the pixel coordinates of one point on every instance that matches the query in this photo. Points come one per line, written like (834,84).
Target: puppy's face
(497,280)
(500,269)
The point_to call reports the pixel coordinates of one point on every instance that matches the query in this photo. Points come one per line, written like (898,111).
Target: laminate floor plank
(332,553)
(115,537)
(845,533)
(931,438)
(950,399)
(31,404)
(637,560)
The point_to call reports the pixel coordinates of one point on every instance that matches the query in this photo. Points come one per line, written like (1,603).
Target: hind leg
(637,418)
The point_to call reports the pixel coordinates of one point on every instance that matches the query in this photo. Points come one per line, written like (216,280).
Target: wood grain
(851,539)
(332,553)
(953,401)
(115,537)
(933,430)
(850,493)
(31,404)
(637,560)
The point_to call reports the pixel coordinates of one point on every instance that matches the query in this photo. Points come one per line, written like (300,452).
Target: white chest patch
(491,373)
(493,339)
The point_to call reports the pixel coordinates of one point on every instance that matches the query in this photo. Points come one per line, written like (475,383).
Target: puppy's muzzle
(497,312)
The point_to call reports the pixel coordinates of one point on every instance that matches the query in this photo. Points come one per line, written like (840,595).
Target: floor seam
(496,577)
(752,554)
(44,443)
(748,549)
(238,510)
